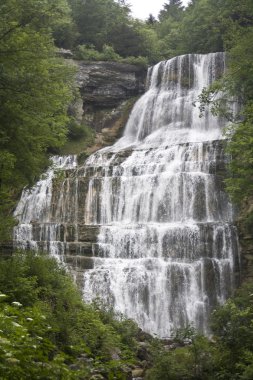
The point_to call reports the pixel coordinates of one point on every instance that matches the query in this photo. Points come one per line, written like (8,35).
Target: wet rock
(143,336)
(143,351)
(87,233)
(65,53)
(97,377)
(138,373)
(108,91)
(115,355)
(79,262)
(70,232)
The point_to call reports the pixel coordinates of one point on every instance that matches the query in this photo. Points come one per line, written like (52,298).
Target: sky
(142,8)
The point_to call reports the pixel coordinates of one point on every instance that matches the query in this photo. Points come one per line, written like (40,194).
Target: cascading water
(35,206)
(167,249)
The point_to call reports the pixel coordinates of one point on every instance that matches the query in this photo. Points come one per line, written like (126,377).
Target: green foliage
(200,30)
(232,325)
(138,61)
(82,157)
(96,18)
(76,131)
(173,365)
(227,356)
(203,26)
(36,88)
(46,331)
(107,32)
(173,10)
(237,84)
(25,348)
(89,53)
(85,137)
(126,328)
(7,163)
(248,221)
(240,84)
(239,184)
(193,358)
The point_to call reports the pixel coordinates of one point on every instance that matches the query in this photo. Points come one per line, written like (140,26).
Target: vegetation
(107,27)
(227,356)
(36,89)
(89,53)
(238,84)
(47,332)
(80,138)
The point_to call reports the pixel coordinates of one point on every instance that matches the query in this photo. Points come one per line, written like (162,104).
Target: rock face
(246,240)
(107,84)
(105,88)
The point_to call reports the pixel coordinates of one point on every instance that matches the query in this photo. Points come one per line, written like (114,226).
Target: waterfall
(166,251)
(35,206)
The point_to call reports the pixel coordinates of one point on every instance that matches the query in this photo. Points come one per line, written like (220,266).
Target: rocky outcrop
(107,84)
(109,122)
(108,91)
(105,88)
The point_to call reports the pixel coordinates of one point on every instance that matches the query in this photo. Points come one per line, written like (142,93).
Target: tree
(239,83)
(173,10)
(151,20)
(36,88)
(96,18)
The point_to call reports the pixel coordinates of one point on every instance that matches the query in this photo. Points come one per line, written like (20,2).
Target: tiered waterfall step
(207,156)
(66,232)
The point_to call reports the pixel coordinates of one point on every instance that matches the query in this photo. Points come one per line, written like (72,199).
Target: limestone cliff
(107,84)
(108,91)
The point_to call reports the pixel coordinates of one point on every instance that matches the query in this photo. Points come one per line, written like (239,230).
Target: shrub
(46,328)
(77,131)
(88,53)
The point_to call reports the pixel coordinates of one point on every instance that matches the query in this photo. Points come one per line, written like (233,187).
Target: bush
(46,329)
(193,358)
(77,131)
(109,54)
(228,356)
(88,53)
(138,61)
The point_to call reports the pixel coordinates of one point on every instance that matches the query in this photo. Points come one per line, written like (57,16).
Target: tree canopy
(36,89)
